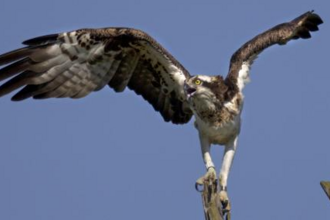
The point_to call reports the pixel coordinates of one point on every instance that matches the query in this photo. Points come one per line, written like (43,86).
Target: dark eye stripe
(207,84)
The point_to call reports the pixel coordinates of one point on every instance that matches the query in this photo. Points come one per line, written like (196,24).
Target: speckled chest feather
(221,125)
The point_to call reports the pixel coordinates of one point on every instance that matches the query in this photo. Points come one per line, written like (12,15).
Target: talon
(210,176)
(225,201)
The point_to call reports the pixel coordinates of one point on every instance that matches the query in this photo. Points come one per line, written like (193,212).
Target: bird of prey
(73,64)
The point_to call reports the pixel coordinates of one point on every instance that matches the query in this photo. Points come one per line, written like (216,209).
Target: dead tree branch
(211,201)
(326,187)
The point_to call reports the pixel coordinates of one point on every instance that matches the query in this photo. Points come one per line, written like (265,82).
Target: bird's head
(202,88)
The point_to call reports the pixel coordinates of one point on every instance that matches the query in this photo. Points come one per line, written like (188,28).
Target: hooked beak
(190,91)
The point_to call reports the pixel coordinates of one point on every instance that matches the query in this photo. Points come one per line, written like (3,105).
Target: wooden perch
(326,187)
(211,201)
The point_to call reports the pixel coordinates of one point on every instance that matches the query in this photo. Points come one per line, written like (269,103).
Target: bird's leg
(211,174)
(227,161)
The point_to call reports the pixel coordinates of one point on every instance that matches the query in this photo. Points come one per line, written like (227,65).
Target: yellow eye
(198,82)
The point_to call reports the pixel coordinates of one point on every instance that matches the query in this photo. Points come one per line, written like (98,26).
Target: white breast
(219,134)
(227,126)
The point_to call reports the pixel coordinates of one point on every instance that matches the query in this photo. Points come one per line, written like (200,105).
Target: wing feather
(125,71)
(73,64)
(15,68)
(243,58)
(15,55)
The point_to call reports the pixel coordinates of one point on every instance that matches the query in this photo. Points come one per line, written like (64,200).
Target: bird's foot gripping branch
(214,208)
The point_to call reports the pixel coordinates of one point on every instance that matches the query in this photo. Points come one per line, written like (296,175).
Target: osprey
(73,64)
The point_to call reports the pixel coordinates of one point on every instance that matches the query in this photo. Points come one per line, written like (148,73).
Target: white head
(205,92)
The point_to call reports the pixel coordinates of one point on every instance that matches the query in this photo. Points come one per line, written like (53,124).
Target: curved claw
(210,176)
(225,201)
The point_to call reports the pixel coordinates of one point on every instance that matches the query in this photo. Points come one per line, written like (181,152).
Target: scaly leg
(227,161)
(211,174)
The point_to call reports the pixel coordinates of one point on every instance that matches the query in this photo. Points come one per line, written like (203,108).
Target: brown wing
(280,34)
(73,64)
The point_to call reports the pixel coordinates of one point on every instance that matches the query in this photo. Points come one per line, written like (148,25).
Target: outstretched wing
(73,64)
(242,59)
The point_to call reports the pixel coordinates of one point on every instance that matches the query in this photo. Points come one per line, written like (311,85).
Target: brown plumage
(73,64)
(280,34)
(119,57)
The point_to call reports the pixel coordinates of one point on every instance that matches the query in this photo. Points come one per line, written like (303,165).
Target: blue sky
(110,156)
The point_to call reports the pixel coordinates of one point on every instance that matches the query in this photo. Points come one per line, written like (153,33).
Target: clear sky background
(110,156)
